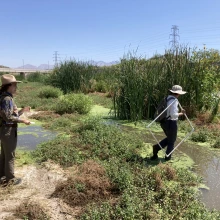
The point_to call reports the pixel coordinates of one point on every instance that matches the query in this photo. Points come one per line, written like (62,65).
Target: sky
(101,30)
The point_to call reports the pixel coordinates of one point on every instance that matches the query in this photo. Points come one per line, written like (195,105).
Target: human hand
(26,109)
(183,111)
(27,122)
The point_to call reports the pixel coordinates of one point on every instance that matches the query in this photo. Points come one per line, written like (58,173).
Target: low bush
(50,92)
(107,141)
(37,77)
(217,143)
(63,150)
(120,173)
(200,136)
(152,195)
(101,86)
(89,184)
(71,103)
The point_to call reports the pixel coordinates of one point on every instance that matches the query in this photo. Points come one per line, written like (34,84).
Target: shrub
(37,77)
(101,86)
(120,173)
(107,141)
(200,136)
(50,92)
(62,150)
(71,103)
(217,143)
(72,76)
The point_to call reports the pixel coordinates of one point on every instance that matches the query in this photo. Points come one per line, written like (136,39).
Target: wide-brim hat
(8,78)
(177,90)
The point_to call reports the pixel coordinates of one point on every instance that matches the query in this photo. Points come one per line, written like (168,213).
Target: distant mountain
(45,66)
(27,66)
(102,63)
(41,67)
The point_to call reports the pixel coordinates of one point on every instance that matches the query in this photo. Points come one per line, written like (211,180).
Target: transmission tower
(56,58)
(174,42)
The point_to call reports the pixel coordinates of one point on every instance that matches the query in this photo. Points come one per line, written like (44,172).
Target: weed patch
(217,143)
(32,210)
(63,150)
(72,103)
(200,136)
(50,92)
(90,184)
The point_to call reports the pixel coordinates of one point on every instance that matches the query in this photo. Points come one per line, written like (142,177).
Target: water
(31,136)
(208,166)
(207,161)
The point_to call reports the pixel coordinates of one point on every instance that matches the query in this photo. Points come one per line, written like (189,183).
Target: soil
(48,191)
(31,198)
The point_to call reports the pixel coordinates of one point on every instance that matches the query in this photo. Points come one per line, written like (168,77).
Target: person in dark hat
(169,126)
(9,119)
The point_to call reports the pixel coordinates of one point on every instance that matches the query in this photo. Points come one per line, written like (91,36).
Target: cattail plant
(73,76)
(143,83)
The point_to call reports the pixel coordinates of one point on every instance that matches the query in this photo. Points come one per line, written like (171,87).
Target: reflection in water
(207,166)
(33,135)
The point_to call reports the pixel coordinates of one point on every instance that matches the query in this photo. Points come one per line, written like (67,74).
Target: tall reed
(72,76)
(143,83)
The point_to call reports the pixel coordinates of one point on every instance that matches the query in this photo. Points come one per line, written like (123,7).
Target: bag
(161,107)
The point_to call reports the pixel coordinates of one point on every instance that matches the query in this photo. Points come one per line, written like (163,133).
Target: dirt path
(33,194)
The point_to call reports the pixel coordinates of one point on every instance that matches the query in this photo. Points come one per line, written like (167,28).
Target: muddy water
(29,137)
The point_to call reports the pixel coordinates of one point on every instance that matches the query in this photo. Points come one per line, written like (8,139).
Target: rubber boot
(155,151)
(167,158)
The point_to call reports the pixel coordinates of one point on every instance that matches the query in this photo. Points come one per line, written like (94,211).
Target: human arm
(25,109)
(8,112)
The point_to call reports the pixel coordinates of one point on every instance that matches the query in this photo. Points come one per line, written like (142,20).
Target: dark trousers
(170,129)
(8,136)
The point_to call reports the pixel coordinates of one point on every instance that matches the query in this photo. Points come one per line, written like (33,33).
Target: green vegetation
(72,76)
(217,143)
(50,92)
(62,150)
(38,77)
(71,103)
(119,182)
(143,83)
(201,136)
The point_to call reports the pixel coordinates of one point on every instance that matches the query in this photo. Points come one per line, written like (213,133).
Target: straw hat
(7,79)
(177,90)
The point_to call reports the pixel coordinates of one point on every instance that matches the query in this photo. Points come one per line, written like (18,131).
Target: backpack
(161,107)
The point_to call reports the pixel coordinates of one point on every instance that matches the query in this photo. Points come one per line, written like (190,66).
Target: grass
(24,157)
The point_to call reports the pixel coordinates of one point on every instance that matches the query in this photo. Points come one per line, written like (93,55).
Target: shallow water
(208,166)
(207,162)
(29,137)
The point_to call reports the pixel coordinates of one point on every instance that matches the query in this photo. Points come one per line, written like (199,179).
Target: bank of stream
(206,164)
(206,160)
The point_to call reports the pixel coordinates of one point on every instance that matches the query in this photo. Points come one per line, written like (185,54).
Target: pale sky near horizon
(31,30)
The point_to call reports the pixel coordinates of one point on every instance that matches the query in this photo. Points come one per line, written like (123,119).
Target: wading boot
(155,151)
(167,158)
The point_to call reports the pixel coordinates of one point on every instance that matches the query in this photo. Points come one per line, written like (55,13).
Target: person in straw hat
(169,126)
(9,118)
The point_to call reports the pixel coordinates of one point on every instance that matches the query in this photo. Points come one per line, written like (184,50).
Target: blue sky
(31,30)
